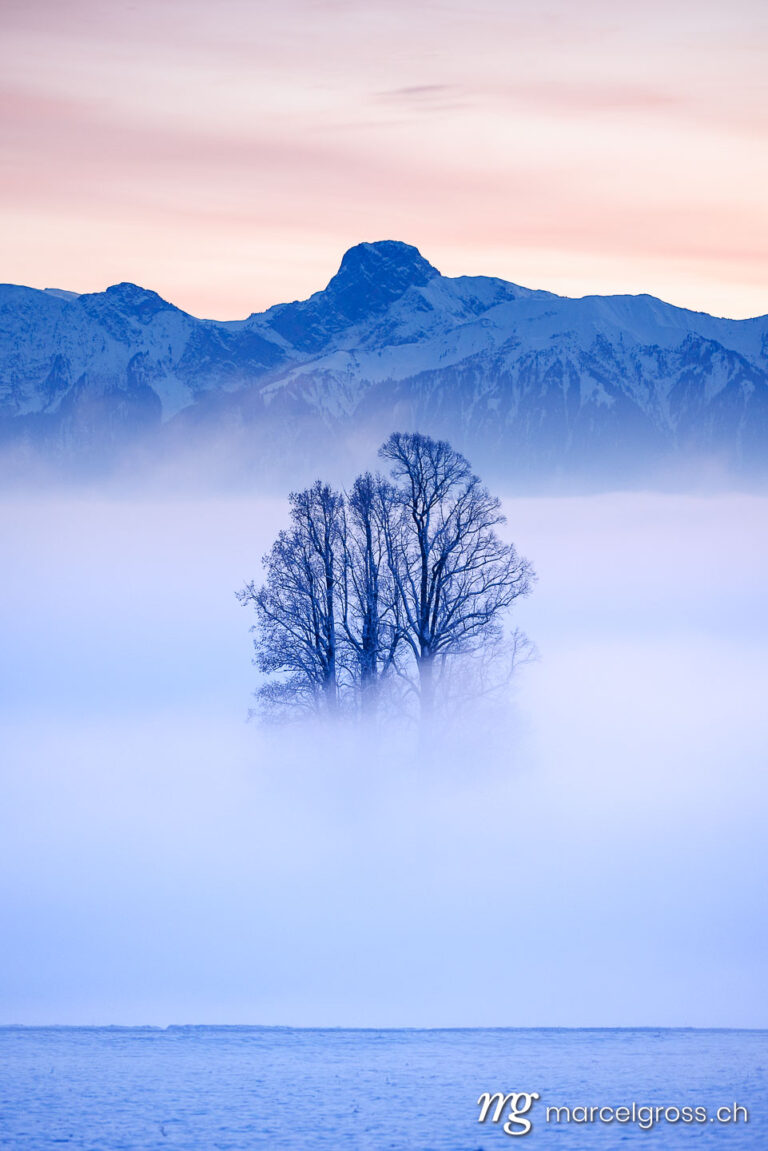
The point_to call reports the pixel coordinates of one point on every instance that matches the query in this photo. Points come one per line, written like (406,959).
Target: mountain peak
(132,295)
(127,301)
(372,276)
(386,259)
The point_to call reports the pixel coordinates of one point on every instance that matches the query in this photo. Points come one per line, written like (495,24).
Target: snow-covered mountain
(531,385)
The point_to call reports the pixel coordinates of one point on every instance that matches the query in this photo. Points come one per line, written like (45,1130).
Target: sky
(227,155)
(597,858)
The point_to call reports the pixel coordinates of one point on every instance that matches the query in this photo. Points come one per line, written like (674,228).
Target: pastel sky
(226,155)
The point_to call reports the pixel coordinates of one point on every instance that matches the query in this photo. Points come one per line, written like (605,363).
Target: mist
(594,859)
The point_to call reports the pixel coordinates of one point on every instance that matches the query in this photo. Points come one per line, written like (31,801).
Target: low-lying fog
(599,859)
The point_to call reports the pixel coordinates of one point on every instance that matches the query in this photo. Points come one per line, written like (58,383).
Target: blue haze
(598,858)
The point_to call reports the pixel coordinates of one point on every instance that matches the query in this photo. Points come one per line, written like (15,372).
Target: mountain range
(534,387)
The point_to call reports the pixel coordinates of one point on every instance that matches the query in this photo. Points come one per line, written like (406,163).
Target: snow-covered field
(218,1089)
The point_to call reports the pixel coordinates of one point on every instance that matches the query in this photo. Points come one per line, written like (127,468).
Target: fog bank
(596,859)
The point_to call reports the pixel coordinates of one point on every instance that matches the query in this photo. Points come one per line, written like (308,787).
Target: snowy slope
(533,382)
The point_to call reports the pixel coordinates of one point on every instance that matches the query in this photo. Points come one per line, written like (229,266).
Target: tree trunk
(427,686)
(369,692)
(330,695)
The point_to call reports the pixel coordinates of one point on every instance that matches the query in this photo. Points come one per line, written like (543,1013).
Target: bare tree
(403,583)
(369,606)
(454,577)
(296,608)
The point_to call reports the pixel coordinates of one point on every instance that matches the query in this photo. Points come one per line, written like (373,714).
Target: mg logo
(515,1106)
